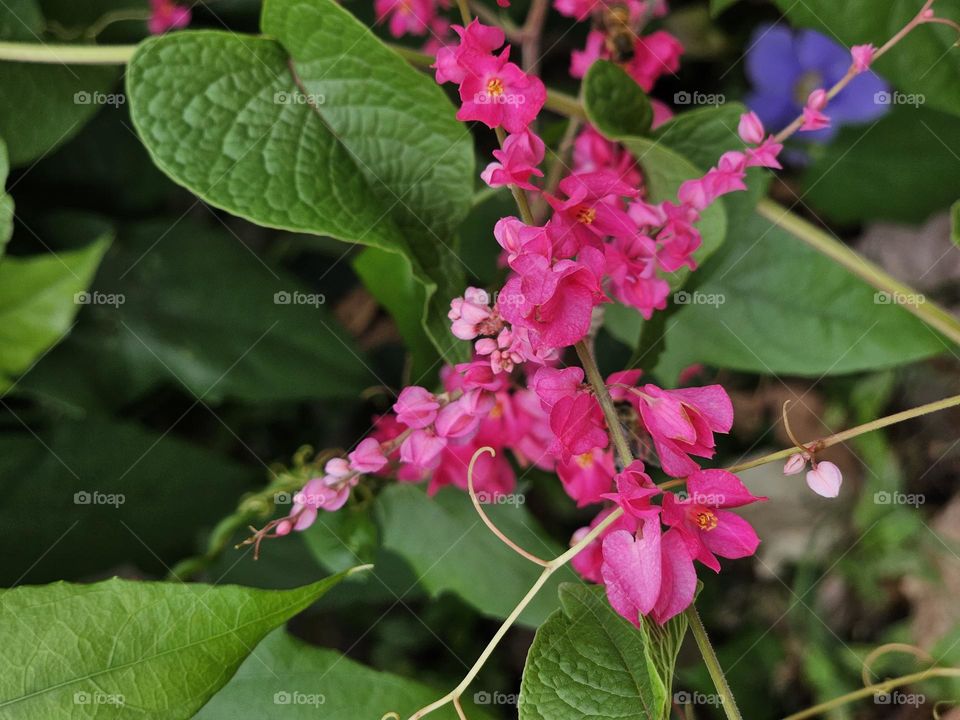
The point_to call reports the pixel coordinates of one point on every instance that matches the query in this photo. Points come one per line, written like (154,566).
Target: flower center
(496,412)
(586,215)
(495,87)
(807,83)
(585,460)
(705,519)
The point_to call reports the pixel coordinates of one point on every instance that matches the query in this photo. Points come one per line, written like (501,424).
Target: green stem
(713,664)
(871,690)
(66,54)
(927,311)
(606,403)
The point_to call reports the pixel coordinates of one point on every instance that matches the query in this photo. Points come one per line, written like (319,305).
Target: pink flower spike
(813,117)
(518,160)
(862,57)
(825,479)
(368,457)
(469,314)
(166,15)
(751,128)
(796,464)
(416,407)
(457,420)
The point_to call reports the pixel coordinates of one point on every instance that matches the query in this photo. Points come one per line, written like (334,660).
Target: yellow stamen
(705,520)
(585,460)
(495,87)
(586,215)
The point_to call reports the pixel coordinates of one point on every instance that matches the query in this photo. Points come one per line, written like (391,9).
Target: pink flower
(457,419)
(316,495)
(592,152)
(592,210)
(825,479)
(498,93)
(588,561)
(517,238)
(469,313)
(702,519)
(635,489)
(492,476)
(452,63)
(421,451)
(581,60)
(751,128)
(416,407)
(795,464)
(552,385)
(679,239)
(813,117)
(577,423)
(588,476)
(765,154)
(725,178)
(368,457)
(167,15)
(682,423)
(406,16)
(661,113)
(632,267)
(654,55)
(862,57)
(579,9)
(518,160)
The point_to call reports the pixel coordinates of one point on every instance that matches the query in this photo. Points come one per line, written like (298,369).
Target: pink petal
(632,569)
(678,578)
(733,537)
(825,479)
(719,488)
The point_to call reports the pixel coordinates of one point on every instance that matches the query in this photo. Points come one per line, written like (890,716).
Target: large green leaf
(664,642)
(150,649)
(924,62)
(202,311)
(451,550)
(43,105)
(286,678)
(38,300)
(89,495)
(315,127)
(784,308)
(615,104)
(6,202)
(903,168)
(587,661)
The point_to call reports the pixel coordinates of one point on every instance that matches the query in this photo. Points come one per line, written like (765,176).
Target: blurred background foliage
(200,387)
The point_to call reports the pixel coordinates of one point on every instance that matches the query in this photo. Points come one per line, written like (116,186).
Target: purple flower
(785,66)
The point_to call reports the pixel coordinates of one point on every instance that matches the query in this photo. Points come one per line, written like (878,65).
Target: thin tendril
(886,649)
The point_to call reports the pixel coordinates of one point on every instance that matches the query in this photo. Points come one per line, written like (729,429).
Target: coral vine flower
(517,161)
(592,210)
(577,422)
(406,16)
(705,523)
(813,116)
(588,562)
(635,489)
(498,93)
(592,152)
(632,267)
(654,55)
(470,314)
(368,457)
(862,57)
(476,40)
(587,477)
(416,407)
(166,15)
(825,479)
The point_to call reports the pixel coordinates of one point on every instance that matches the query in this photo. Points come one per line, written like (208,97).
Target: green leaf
(614,103)
(42,106)
(903,168)
(158,650)
(718,6)
(6,202)
(450,549)
(342,539)
(663,172)
(286,678)
(315,127)
(38,300)
(924,62)
(394,287)
(198,309)
(827,321)
(664,642)
(587,661)
(165,492)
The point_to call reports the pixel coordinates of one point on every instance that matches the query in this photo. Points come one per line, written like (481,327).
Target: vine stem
(929,312)
(713,664)
(883,687)
(64,54)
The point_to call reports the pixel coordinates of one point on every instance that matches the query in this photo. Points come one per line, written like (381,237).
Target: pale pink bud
(795,464)
(825,479)
(862,57)
(368,457)
(817,100)
(456,420)
(751,129)
(416,407)
(337,468)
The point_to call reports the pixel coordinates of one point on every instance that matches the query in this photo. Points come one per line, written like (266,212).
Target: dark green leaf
(287,678)
(315,127)
(450,549)
(158,650)
(6,202)
(587,661)
(615,104)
